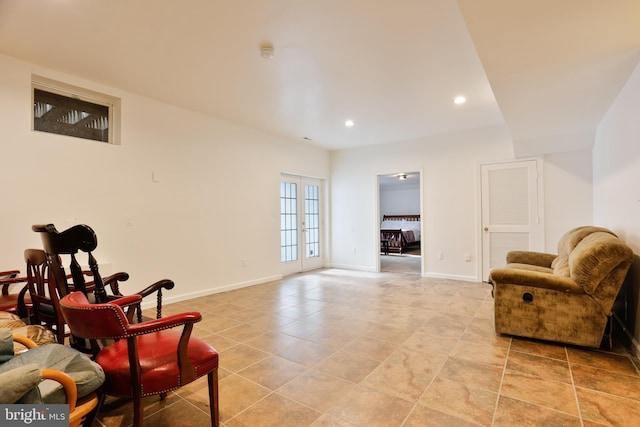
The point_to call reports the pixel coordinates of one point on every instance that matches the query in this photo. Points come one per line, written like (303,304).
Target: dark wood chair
(82,238)
(45,296)
(14,302)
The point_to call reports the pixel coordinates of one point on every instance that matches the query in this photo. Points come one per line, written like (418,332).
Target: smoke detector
(266,51)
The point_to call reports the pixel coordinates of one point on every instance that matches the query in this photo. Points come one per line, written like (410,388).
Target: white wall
(449,166)
(616,166)
(217,199)
(568,181)
(398,200)
(216,202)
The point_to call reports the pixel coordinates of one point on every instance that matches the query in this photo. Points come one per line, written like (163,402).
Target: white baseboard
(353,267)
(451,276)
(168,299)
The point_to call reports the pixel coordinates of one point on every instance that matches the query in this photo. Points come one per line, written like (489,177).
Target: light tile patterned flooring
(345,348)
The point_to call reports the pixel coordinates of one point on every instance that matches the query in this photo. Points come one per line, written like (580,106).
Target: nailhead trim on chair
(124,327)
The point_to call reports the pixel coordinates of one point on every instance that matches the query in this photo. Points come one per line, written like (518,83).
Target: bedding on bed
(410,229)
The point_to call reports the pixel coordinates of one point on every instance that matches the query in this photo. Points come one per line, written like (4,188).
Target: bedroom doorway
(300,224)
(399,200)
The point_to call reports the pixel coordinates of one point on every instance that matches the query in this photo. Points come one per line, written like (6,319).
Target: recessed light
(349,123)
(460,100)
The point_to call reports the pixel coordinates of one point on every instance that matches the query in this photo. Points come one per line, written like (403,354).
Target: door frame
(299,265)
(538,242)
(378,217)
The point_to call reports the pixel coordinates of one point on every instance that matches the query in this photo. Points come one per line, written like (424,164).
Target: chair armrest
(10,273)
(25,341)
(69,386)
(514,276)
(120,276)
(127,301)
(111,280)
(160,284)
(114,280)
(6,283)
(540,259)
(163,323)
(7,278)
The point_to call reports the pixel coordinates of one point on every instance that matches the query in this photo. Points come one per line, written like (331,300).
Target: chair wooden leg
(91,416)
(138,410)
(212,378)
(60,334)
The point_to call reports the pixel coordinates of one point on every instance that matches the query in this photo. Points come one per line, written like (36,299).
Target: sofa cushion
(571,238)
(529,267)
(595,257)
(561,266)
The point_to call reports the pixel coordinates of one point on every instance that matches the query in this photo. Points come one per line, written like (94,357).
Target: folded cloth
(20,383)
(87,374)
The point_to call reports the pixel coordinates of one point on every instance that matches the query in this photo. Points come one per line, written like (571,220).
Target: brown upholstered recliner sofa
(566,297)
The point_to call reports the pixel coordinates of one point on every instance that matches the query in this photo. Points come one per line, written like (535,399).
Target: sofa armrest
(513,276)
(540,259)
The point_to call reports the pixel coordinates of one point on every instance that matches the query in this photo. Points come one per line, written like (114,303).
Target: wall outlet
(440,256)
(467,257)
(243,262)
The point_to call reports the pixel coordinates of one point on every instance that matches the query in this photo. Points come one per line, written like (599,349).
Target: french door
(300,224)
(511,218)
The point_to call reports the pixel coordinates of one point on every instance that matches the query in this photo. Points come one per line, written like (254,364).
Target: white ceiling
(548,69)
(392,182)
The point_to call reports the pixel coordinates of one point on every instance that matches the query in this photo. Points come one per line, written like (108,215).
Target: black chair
(82,238)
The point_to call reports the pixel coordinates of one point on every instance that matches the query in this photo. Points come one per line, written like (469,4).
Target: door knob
(486,229)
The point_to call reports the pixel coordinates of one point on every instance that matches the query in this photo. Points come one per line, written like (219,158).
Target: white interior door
(511,219)
(300,224)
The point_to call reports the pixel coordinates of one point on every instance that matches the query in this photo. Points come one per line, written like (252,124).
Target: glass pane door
(288,221)
(300,224)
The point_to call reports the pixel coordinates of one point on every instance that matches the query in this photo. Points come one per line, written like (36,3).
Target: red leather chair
(147,358)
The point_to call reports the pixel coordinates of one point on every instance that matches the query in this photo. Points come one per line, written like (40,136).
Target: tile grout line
(573,384)
(415,405)
(504,370)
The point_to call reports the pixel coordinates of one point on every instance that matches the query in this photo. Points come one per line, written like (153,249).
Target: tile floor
(345,348)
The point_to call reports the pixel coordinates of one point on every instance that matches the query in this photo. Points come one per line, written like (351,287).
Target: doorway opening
(400,222)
